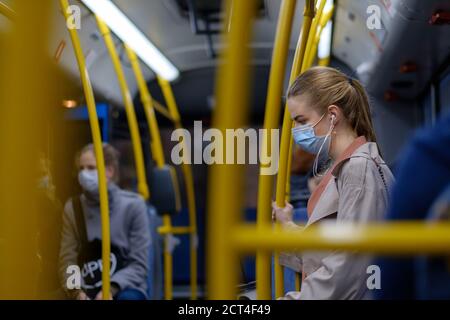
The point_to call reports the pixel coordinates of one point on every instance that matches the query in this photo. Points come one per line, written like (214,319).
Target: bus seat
(165,190)
(433,273)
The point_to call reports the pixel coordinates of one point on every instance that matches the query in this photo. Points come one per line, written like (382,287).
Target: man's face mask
(306,138)
(89,181)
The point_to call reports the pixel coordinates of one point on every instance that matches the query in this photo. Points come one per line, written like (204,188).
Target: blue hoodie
(422,175)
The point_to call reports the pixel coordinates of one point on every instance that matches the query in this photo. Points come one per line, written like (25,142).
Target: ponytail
(362,122)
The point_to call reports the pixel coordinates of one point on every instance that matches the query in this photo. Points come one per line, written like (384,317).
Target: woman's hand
(282,215)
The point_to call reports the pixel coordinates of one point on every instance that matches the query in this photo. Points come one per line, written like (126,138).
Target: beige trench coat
(357,192)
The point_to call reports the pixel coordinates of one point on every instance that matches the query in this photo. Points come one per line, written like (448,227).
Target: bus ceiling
(368,34)
(177,29)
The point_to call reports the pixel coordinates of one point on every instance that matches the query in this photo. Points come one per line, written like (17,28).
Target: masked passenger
(82,236)
(332,120)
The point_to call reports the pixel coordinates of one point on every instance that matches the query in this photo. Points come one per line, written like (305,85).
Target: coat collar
(368,150)
(347,154)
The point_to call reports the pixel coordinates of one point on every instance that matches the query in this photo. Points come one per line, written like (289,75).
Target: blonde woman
(332,120)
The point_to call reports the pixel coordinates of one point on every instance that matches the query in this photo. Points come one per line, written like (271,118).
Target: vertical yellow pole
(298,281)
(324,19)
(157,151)
(286,141)
(98,147)
(307,63)
(24,108)
(225,198)
(147,102)
(288,169)
(307,57)
(189,186)
(324,62)
(129,108)
(271,121)
(312,37)
(168,259)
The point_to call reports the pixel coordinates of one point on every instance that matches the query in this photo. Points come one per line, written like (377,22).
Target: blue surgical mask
(88,180)
(306,138)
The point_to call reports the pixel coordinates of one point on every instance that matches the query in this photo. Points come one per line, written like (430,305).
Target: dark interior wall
(445,93)
(406,39)
(394,123)
(194,92)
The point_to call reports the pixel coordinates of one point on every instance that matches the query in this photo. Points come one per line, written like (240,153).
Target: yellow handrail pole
(162,110)
(157,151)
(324,62)
(174,230)
(323,22)
(278,268)
(312,35)
(394,238)
(286,141)
(168,259)
(98,147)
(271,121)
(129,108)
(27,103)
(298,281)
(225,198)
(304,68)
(189,185)
(306,65)
(288,169)
(147,102)
(7,11)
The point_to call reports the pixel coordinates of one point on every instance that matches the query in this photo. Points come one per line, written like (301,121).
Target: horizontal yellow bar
(388,238)
(174,230)
(162,110)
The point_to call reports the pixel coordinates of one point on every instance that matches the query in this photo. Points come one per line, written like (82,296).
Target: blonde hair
(324,86)
(110,154)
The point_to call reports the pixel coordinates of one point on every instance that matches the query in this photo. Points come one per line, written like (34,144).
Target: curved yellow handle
(271,121)
(148,104)
(325,18)
(286,140)
(188,184)
(129,109)
(98,147)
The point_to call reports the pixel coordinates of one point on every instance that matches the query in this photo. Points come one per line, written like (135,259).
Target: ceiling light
(127,31)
